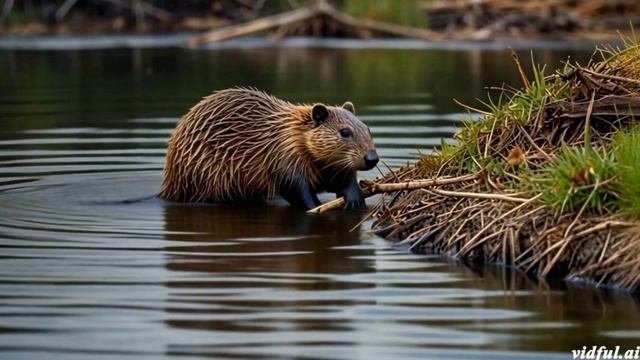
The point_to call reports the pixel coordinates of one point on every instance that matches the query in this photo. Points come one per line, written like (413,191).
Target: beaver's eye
(345,133)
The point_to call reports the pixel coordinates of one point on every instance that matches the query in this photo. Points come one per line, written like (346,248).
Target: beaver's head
(339,140)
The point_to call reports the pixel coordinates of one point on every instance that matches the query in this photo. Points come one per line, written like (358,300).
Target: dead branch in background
(317,19)
(6,10)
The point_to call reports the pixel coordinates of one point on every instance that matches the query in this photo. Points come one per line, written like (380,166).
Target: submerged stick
(393,187)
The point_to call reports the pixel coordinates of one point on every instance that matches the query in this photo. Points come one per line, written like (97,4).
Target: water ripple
(94,265)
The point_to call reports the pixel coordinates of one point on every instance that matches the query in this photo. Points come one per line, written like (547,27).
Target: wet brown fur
(240,144)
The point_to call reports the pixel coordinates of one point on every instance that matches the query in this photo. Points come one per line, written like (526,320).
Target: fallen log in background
(256,26)
(310,20)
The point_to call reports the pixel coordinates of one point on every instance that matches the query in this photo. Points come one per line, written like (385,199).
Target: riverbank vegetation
(455,19)
(546,182)
(35,17)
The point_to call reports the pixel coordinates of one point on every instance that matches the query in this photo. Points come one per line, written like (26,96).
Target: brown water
(92,266)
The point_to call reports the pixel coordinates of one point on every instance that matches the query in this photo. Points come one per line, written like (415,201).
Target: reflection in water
(93,266)
(274,239)
(244,247)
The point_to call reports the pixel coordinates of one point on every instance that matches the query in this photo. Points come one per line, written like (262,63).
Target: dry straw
(538,184)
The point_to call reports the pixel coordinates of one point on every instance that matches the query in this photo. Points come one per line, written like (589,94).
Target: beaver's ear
(319,114)
(349,107)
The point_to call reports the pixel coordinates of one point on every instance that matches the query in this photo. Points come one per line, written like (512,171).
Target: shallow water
(92,265)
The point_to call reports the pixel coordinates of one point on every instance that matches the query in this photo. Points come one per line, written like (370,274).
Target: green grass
(606,180)
(598,173)
(17,17)
(511,108)
(402,12)
(627,152)
(577,177)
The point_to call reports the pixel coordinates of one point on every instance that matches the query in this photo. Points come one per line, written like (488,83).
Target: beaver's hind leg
(299,194)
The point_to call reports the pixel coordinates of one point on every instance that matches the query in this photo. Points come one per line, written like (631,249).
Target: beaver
(244,144)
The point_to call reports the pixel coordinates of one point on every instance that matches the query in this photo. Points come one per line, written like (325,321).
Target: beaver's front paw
(354,199)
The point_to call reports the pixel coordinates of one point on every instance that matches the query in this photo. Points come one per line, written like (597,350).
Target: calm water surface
(93,266)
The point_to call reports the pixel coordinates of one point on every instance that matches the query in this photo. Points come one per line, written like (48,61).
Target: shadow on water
(243,250)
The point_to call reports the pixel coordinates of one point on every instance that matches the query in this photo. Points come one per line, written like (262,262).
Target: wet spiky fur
(240,144)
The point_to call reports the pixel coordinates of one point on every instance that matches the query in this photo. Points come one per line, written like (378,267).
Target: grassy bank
(549,178)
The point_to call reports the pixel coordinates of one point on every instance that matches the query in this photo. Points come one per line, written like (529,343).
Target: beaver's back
(235,144)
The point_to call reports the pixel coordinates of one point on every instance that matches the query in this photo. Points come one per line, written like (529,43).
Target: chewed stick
(392,187)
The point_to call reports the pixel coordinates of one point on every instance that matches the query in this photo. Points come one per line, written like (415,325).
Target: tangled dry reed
(485,203)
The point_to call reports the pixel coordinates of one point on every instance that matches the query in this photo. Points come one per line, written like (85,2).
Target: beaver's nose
(371,159)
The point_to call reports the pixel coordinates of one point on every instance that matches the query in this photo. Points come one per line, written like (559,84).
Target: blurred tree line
(404,12)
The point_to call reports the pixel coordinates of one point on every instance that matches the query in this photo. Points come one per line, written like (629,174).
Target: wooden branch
(611,77)
(258,25)
(145,7)
(489,196)
(473,242)
(293,4)
(157,12)
(136,7)
(385,28)
(420,184)
(319,10)
(6,10)
(611,105)
(392,187)
(64,9)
